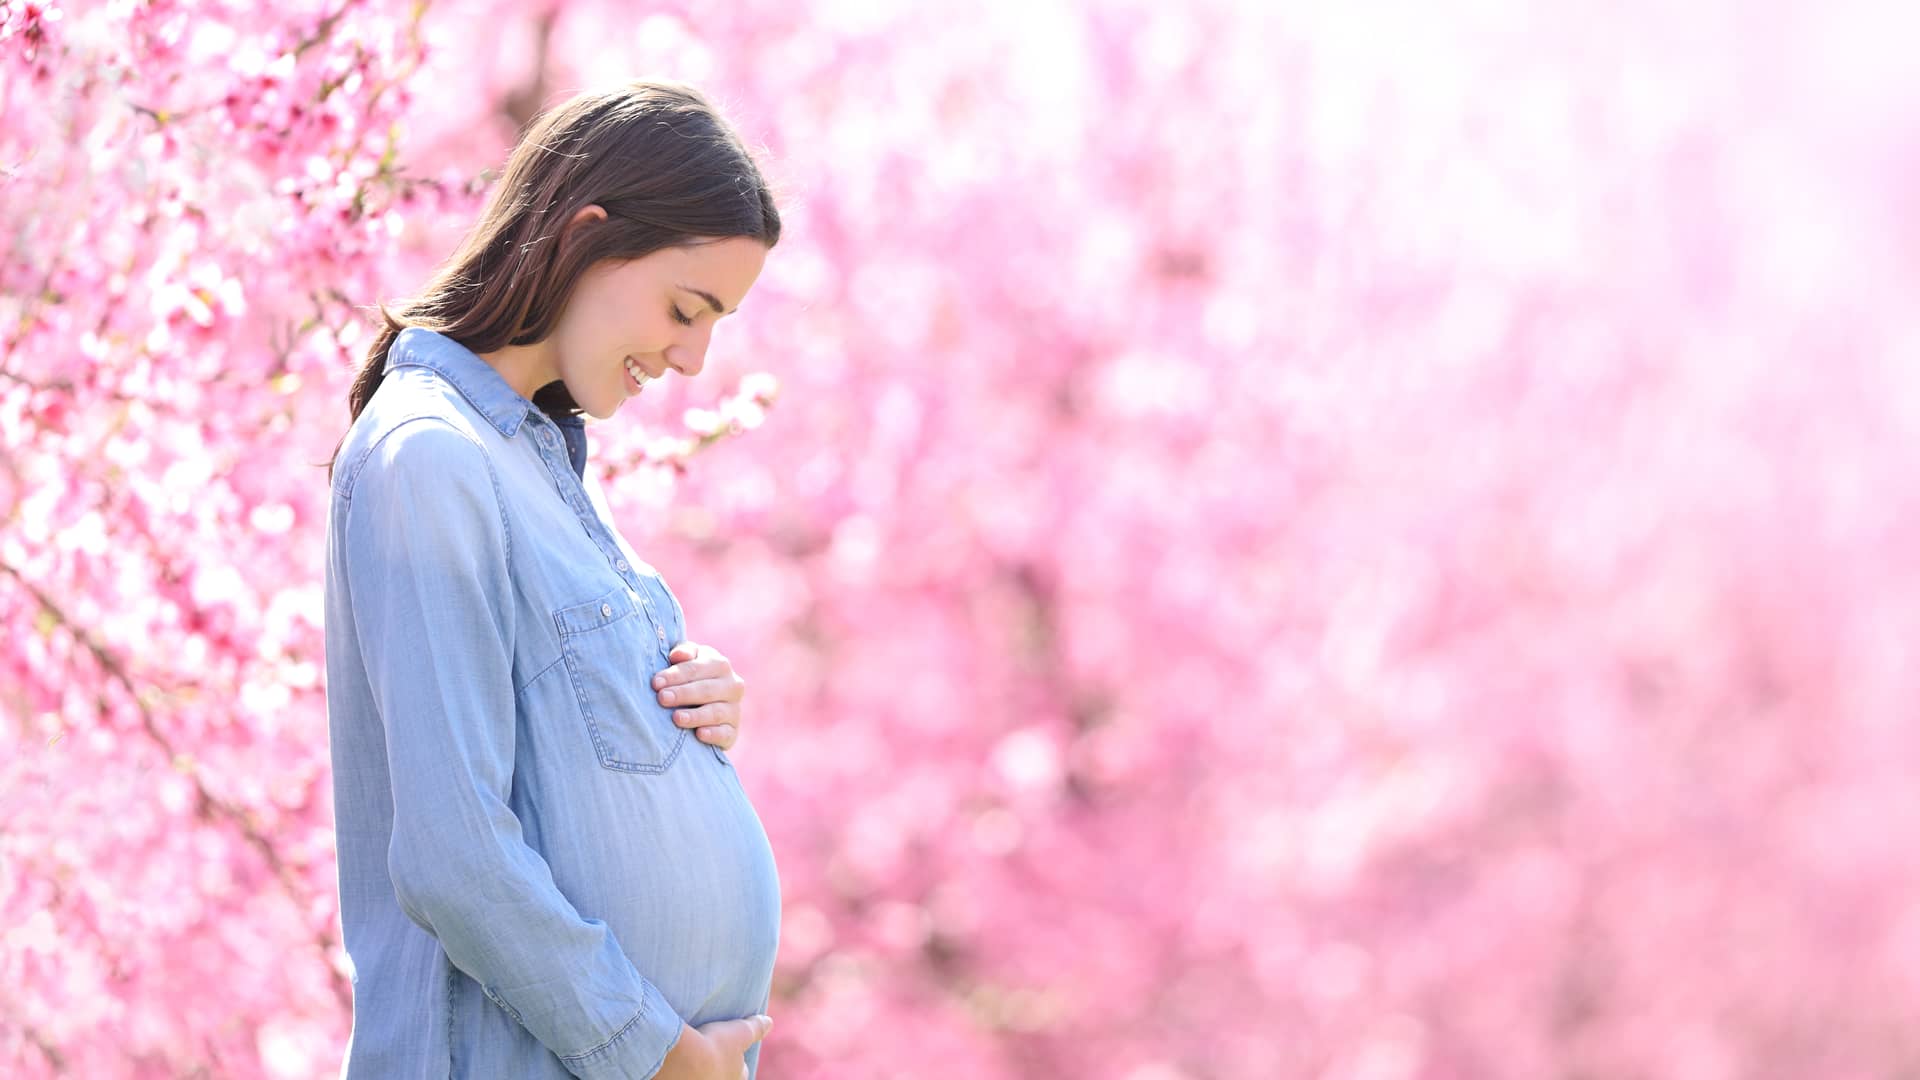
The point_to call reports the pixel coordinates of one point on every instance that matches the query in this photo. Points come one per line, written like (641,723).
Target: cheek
(628,329)
(608,314)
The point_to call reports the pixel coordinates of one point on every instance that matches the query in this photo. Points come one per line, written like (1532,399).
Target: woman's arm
(427,557)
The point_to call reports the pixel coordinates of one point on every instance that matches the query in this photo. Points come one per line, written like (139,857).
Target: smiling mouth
(635,372)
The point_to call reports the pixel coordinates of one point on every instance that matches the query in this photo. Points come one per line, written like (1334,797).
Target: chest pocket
(613,646)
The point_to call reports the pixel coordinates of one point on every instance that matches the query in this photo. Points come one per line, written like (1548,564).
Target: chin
(605,407)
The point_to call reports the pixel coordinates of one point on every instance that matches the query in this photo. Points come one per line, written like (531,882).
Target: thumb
(761,1025)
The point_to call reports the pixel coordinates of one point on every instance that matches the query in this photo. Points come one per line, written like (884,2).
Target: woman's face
(633,310)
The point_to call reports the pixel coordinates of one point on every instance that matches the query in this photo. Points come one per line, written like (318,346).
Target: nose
(690,356)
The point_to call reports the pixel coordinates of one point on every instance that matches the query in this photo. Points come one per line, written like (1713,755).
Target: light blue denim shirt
(541,875)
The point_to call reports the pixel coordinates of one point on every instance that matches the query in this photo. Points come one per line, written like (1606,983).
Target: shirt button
(606,609)
(622,564)
(662,633)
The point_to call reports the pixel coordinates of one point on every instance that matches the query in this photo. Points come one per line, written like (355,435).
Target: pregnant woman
(548,866)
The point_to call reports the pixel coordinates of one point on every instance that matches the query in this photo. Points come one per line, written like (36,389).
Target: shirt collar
(476,379)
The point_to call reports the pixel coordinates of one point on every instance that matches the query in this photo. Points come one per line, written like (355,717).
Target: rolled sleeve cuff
(638,1049)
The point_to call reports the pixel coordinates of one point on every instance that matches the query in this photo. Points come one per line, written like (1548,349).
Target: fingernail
(659,681)
(666,697)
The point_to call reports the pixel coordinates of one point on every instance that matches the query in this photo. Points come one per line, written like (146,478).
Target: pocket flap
(611,606)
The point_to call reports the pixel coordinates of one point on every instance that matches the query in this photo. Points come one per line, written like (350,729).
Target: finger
(704,691)
(718,712)
(720,735)
(686,650)
(687,671)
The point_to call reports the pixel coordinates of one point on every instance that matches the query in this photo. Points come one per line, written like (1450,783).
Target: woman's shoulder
(417,418)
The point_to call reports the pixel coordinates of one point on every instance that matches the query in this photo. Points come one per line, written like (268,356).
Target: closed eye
(681,319)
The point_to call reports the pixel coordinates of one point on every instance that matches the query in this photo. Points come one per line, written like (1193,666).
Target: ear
(589,212)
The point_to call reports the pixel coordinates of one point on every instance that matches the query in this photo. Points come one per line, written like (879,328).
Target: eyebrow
(712,302)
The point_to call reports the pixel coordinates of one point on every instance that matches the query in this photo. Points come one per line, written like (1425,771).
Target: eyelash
(681,319)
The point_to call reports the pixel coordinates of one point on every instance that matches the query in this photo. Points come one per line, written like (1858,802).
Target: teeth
(639,377)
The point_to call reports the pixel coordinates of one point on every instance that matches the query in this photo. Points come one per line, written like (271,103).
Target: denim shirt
(540,874)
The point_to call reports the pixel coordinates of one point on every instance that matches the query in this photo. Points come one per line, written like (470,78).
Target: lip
(633,387)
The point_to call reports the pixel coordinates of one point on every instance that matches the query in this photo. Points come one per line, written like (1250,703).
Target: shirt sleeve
(428,553)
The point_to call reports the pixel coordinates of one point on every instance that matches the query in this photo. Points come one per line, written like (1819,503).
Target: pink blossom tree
(1293,540)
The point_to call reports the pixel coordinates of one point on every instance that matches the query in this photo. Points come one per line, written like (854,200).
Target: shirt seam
(510,414)
(538,675)
(493,475)
(611,1039)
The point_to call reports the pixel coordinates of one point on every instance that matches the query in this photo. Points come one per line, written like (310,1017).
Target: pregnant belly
(677,863)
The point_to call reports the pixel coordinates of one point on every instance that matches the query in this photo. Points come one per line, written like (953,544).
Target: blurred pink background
(1353,541)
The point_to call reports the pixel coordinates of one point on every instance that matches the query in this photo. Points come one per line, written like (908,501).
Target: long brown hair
(655,154)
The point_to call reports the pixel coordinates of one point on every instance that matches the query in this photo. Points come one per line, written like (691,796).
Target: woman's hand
(714,1051)
(703,692)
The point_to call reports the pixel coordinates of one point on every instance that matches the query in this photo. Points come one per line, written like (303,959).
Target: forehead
(734,255)
(725,268)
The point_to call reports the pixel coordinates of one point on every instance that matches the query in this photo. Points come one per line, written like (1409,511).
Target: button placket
(653,618)
(575,498)
(577,501)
